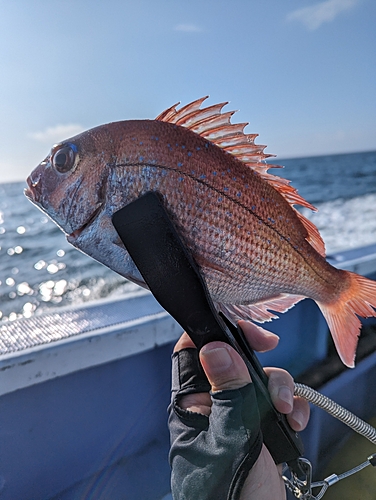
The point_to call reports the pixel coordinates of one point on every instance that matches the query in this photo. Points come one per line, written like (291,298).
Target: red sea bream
(256,252)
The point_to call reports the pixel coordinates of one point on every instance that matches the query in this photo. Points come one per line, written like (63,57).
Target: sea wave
(346,223)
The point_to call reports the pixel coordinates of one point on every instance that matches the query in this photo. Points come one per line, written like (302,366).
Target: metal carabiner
(300,487)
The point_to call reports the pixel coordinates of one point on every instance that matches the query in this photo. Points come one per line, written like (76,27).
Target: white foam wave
(345,224)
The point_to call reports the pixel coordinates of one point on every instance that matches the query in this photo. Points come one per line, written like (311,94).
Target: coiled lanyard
(302,487)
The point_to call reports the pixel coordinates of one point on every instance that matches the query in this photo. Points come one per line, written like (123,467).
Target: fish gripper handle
(150,237)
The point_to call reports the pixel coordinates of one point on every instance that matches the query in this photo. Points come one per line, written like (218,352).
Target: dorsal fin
(314,237)
(217,128)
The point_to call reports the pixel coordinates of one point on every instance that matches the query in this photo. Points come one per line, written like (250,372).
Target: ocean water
(40,270)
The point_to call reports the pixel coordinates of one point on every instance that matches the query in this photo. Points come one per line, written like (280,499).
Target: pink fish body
(256,252)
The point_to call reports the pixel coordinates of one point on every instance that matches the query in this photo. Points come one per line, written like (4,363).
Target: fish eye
(64,158)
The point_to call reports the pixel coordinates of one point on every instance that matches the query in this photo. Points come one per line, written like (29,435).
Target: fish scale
(257,253)
(197,238)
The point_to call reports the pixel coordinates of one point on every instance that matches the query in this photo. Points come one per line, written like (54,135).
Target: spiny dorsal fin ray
(225,133)
(201,119)
(217,128)
(205,126)
(231,138)
(169,113)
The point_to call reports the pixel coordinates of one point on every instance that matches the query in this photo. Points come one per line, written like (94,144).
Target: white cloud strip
(57,133)
(324,12)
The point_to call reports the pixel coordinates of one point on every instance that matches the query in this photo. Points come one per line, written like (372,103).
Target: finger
(259,339)
(183,343)
(298,418)
(224,367)
(281,389)
(198,402)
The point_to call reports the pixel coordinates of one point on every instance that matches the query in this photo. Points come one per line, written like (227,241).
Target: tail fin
(358,299)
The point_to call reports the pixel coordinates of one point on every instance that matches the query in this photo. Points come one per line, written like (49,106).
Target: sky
(301,72)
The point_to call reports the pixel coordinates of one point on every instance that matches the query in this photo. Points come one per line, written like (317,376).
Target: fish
(256,252)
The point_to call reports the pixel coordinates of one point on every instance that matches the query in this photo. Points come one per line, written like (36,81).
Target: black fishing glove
(210,456)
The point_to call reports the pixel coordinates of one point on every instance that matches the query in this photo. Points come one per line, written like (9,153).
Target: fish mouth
(32,192)
(29,194)
(77,232)
(33,198)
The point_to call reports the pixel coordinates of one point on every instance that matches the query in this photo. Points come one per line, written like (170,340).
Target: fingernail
(297,416)
(285,394)
(217,358)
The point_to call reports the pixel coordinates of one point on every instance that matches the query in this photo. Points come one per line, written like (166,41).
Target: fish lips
(36,190)
(29,195)
(34,193)
(31,191)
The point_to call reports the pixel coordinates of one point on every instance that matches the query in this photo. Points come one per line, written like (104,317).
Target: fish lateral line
(237,202)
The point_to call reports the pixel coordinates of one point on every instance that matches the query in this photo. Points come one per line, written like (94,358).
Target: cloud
(57,133)
(324,12)
(188,28)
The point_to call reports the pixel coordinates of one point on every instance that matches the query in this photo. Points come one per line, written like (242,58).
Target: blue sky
(301,72)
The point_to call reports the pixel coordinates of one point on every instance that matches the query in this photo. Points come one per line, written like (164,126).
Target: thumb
(224,367)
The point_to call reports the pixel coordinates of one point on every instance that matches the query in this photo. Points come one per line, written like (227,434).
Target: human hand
(201,412)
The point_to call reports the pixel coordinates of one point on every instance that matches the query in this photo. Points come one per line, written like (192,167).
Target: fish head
(70,186)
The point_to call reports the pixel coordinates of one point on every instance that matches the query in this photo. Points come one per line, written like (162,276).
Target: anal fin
(260,311)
